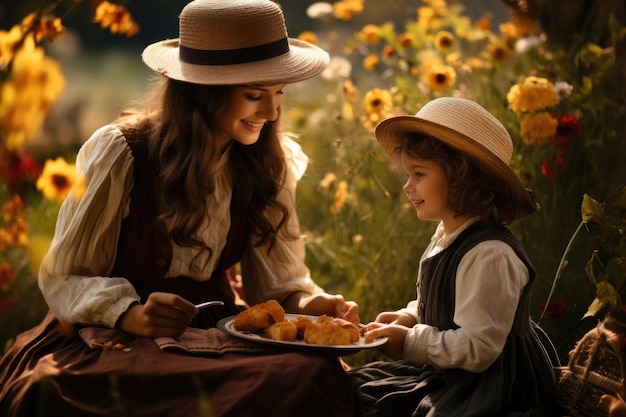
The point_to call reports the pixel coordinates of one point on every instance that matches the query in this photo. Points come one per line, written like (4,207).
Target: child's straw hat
(226,42)
(468,128)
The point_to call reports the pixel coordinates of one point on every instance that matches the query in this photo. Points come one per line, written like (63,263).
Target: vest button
(160,263)
(422,305)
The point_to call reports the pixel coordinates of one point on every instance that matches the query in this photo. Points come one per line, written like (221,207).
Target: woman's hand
(394,348)
(323,303)
(163,314)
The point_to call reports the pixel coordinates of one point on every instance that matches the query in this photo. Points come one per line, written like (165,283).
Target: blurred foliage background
(388,58)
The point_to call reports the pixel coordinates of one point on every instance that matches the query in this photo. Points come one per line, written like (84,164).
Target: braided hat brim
(303,61)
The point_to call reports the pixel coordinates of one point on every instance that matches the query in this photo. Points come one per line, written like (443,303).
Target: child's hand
(394,317)
(394,348)
(614,406)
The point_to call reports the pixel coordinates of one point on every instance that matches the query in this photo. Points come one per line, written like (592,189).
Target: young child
(466,346)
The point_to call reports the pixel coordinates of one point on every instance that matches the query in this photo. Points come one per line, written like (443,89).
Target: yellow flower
(44,27)
(427,18)
(439,6)
(483,23)
(340,197)
(26,98)
(475,63)
(444,40)
(57,179)
(388,52)
(347,9)
(439,77)
(327,182)
(349,90)
(532,94)
(500,53)
(370,34)
(538,128)
(117,18)
(378,101)
(308,36)
(8,41)
(406,40)
(454,59)
(371,62)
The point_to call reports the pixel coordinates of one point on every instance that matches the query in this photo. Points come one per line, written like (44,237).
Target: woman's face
(427,188)
(247,109)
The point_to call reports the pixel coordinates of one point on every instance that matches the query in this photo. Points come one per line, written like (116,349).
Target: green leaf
(591,210)
(594,308)
(615,208)
(589,270)
(609,296)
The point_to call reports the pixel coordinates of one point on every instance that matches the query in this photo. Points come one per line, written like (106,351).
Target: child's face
(246,111)
(427,188)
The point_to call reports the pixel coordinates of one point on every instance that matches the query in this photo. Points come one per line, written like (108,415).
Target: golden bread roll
(331,331)
(282,330)
(301,324)
(259,316)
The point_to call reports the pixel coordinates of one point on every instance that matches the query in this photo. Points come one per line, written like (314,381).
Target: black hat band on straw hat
(234,56)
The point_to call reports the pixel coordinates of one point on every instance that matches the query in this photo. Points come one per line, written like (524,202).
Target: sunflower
(370,34)
(444,40)
(439,77)
(371,62)
(378,101)
(57,179)
(406,40)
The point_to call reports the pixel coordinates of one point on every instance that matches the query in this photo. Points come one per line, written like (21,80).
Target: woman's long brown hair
(179,120)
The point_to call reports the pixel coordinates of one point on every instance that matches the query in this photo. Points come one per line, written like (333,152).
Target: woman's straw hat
(227,42)
(468,128)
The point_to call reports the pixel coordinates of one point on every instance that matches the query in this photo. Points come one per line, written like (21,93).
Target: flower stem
(559,270)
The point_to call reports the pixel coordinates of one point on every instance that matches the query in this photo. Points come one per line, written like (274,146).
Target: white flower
(526,44)
(338,68)
(319,10)
(563,90)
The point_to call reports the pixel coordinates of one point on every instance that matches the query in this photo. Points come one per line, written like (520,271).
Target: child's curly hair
(471,190)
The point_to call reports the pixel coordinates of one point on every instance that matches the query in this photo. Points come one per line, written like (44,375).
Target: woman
(466,346)
(178,193)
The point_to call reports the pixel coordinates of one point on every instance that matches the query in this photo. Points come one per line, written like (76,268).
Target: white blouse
(489,282)
(74,275)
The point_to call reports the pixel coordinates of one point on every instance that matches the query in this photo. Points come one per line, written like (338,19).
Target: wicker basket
(595,368)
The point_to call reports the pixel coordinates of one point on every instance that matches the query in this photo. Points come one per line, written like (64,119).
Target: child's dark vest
(437,286)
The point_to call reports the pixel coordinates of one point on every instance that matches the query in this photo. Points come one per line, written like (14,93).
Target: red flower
(17,168)
(567,131)
(548,166)
(556,309)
